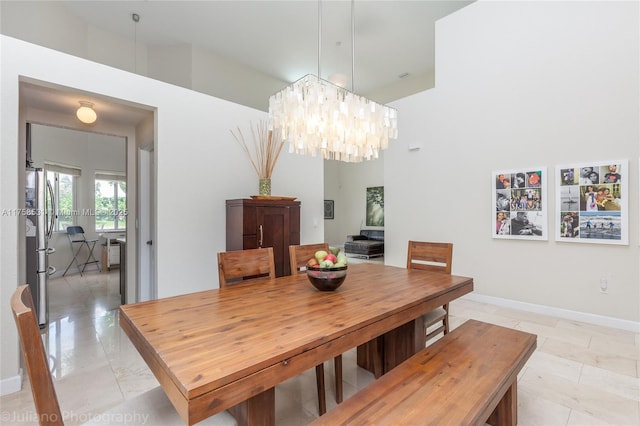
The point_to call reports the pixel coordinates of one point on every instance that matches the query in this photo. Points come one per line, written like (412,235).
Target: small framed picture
(375,206)
(328,209)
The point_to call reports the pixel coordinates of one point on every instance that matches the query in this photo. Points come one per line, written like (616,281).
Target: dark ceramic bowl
(327,279)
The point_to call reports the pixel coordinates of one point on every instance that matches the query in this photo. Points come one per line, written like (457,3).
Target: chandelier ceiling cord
(316,116)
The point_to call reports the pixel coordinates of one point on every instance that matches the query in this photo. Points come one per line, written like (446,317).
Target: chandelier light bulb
(85,113)
(338,79)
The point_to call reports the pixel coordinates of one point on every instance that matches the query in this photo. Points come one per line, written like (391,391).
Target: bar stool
(76,236)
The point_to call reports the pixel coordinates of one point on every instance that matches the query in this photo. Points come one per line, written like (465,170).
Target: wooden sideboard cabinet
(264,223)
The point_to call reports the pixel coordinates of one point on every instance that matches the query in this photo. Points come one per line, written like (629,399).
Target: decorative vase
(264,187)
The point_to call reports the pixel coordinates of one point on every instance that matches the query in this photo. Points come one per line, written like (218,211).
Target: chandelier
(316,116)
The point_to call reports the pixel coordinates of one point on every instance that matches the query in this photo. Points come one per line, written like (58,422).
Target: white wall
(114,50)
(45,23)
(521,84)
(179,72)
(333,191)
(231,80)
(404,87)
(346,184)
(199,165)
(50,24)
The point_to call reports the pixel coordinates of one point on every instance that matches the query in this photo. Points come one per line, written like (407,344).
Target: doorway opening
(87,204)
(106,185)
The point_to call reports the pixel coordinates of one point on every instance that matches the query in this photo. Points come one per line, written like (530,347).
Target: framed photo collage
(590,203)
(520,204)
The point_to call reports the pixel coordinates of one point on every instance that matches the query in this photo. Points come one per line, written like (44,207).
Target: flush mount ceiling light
(317,116)
(85,113)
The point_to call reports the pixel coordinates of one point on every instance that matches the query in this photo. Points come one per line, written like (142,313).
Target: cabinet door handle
(260,243)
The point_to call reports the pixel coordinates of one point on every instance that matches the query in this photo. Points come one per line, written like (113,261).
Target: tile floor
(580,374)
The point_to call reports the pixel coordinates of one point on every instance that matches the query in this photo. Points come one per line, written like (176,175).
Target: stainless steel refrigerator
(39,219)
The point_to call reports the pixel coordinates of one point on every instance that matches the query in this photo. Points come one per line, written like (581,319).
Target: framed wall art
(520,204)
(375,206)
(592,202)
(328,209)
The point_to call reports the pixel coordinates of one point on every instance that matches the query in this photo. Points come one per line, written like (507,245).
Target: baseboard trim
(557,312)
(11,384)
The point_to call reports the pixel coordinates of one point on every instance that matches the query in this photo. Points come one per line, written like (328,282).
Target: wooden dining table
(226,349)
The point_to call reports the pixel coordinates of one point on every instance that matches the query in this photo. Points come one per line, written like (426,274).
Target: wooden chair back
(299,255)
(430,256)
(238,265)
(298,258)
(44,394)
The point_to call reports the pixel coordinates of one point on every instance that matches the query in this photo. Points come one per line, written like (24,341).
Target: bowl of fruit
(327,270)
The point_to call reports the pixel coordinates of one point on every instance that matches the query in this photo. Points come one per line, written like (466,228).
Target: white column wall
(347,184)
(521,84)
(198,163)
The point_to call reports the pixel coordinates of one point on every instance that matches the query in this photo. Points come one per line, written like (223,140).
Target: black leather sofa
(369,243)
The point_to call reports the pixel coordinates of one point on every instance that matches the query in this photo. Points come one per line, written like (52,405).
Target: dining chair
(298,257)
(435,257)
(151,407)
(238,265)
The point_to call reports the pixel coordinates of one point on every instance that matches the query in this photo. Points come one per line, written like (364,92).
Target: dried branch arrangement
(267,146)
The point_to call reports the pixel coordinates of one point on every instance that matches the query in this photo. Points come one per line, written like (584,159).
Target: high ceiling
(280,38)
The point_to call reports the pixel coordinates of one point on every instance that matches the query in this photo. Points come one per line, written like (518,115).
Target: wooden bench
(468,377)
